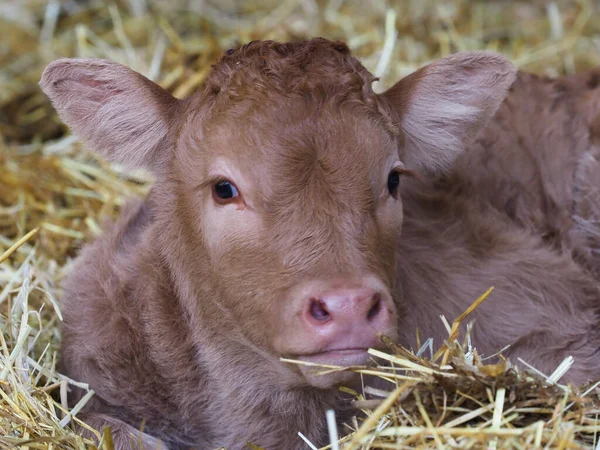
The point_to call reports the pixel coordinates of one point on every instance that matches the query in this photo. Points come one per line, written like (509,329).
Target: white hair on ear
(425,131)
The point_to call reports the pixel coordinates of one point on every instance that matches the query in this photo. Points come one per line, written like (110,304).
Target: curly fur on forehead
(317,70)
(284,67)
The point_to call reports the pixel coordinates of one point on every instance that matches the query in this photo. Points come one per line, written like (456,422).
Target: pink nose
(337,314)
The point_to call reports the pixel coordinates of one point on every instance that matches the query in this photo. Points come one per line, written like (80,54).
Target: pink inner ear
(99,90)
(91,82)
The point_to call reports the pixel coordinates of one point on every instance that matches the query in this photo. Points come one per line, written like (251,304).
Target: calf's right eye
(224,191)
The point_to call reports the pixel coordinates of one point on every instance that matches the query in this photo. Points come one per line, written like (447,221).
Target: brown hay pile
(54,195)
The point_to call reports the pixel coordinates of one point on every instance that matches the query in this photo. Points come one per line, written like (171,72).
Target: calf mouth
(344,357)
(331,359)
(318,373)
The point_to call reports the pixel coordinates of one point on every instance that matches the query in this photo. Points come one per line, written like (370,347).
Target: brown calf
(285,221)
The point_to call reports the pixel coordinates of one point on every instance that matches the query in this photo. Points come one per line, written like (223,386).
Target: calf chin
(324,378)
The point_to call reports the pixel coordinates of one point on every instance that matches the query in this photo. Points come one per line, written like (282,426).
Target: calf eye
(393,182)
(225,190)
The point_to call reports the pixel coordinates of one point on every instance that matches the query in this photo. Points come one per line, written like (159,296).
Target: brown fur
(178,314)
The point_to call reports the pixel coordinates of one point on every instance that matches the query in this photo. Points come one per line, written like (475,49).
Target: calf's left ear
(116,111)
(442,106)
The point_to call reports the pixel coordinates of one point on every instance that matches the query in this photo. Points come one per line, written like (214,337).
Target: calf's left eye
(224,191)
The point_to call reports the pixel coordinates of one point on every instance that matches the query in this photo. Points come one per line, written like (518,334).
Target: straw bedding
(54,196)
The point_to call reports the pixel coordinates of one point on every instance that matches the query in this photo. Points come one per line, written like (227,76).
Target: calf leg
(544,305)
(547,308)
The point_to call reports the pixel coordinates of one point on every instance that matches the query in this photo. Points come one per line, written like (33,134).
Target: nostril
(376,308)
(318,310)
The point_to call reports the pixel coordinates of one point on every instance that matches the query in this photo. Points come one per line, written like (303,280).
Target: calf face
(298,213)
(278,185)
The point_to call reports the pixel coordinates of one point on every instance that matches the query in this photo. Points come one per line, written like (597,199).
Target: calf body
(518,211)
(287,221)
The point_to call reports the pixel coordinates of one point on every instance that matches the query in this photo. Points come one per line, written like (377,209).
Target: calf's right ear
(117,112)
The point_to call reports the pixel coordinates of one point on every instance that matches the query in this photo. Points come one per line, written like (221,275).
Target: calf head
(278,185)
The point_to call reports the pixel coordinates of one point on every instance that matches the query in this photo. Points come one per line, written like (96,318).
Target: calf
(286,220)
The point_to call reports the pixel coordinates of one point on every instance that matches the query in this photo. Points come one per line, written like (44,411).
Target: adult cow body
(286,220)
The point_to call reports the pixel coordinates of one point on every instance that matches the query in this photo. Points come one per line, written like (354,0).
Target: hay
(54,195)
